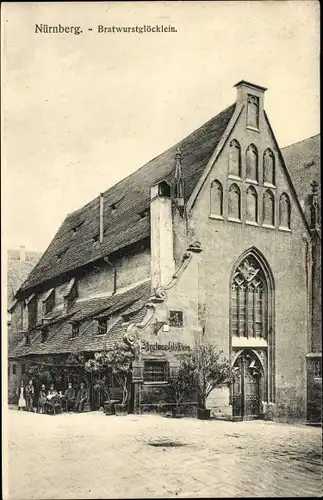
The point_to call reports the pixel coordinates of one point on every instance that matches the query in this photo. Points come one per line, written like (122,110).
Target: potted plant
(99,367)
(181,385)
(120,358)
(210,369)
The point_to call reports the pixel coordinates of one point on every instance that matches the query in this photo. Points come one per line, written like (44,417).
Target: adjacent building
(208,242)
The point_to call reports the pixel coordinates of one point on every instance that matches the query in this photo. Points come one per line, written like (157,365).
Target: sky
(81,112)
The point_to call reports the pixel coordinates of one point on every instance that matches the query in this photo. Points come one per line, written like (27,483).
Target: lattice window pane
(155,371)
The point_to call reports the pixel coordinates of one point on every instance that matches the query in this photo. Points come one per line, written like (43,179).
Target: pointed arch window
(235,158)
(216,198)
(284,211)
(249,300)
(269,167)
(252,163)
(253,111)
(234,202)
(252,205)
(268,209)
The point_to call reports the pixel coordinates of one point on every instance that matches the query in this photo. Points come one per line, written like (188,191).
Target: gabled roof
(73,245)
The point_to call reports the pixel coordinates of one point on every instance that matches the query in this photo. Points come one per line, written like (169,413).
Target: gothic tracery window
(234,202)
(235,158)
(284,211)
(253,111)
(252,163)
(216,198)
(252,204)
(268,209)
(269,167)
(249,300)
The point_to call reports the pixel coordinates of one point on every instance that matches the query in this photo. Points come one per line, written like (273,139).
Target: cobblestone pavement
(96,456)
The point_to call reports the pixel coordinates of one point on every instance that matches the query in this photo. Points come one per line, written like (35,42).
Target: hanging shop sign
(171,346)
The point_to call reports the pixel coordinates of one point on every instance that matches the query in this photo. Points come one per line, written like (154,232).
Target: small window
(253,111)
(235,158)
(252,163)
(23,369)
(234,209)
(176,318)
(155,371)
(284,211)
(27,338)
(14,369)
(102,326)
(75,330)
(317,366)
(216,198)
(268,209)
(44,334)
(164,189)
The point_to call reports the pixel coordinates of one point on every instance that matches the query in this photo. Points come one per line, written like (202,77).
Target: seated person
(81,398)
(52,397)
(69,397)
(42,399)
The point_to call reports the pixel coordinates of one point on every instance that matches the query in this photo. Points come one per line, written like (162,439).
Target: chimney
(161,234)
(101,217)
(252,95)
(22,253)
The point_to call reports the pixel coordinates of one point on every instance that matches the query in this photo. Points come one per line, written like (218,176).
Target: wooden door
(246,388)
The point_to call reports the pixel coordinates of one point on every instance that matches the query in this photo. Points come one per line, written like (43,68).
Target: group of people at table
(49,400)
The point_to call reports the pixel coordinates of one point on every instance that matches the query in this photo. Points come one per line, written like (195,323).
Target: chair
(55,406)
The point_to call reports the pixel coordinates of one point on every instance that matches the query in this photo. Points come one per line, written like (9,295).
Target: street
(91,455)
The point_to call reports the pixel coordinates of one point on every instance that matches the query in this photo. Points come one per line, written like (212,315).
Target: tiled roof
(303,163)
(59,336)
(73,246)
(17,273)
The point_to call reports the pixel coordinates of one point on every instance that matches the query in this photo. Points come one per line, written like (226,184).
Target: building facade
(208,242)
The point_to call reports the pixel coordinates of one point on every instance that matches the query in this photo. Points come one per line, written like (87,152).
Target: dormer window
(70,294)
(75,329)
(49,301)
(76,228)
(61,254)
(102,326)
(27,338)
(96,238)
(44,334)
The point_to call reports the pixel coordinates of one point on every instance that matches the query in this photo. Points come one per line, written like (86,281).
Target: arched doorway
(248,386)
(252,335)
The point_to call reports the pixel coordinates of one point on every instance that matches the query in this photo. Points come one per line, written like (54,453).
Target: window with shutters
(249,300)
(235,158)
(268,209)
(269,167)
(252,205)
(216,198)
(234,202)
(252,163)
(155,371)
(284,211)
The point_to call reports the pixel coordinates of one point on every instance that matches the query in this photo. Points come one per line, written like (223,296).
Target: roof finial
(178,164)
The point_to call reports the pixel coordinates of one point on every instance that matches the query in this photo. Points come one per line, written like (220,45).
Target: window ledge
(217,217)
(233,219)
(234,177)
(269,184)
(252,181)
(268,226)
(251,223)
(249,127)
(285,229)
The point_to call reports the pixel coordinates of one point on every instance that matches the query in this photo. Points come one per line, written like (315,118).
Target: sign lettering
(171,346)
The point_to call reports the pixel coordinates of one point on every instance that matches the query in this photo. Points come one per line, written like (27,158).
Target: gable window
(102,326)
(234,202)
(49,301)
(31,304)
(252,205)
(253,111)
(284,211)
(44,334)
(155,371)
(235,158)
(75,329)
(216,198)
(268,209)
(269,167)
(176,318)
(252,163)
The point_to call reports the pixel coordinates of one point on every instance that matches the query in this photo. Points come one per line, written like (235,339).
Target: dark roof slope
(303,163)
(73,245)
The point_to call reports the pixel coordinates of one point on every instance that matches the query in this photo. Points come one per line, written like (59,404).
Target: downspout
(101,198)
